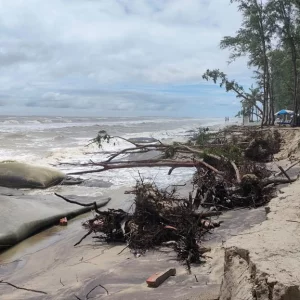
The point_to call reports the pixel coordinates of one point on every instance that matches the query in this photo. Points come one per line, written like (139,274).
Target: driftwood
(186,164)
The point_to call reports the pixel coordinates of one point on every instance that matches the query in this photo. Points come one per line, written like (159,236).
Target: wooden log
(273,180)
(179,164)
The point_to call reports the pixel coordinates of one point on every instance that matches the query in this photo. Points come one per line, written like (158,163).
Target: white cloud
(48,46)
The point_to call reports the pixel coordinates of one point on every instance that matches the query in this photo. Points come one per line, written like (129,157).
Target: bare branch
(89,232)
(285,173)
(180,164)
(268,181)
(21,288)
(81,204)
(87,296)
(288,168)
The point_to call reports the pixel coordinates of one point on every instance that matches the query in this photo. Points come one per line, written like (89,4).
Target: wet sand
(49,262)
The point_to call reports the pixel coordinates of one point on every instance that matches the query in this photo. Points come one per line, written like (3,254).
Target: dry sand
(264,263)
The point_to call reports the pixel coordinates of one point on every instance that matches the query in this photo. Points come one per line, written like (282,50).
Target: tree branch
(21,288)
(270,180)
(81,204)
(180,164)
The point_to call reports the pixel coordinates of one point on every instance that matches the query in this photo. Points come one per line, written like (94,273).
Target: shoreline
(124,275)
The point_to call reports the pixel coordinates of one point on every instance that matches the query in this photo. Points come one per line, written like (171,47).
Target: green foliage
(101,137)
(254,36)
(229,151)
(203,136)
(170,152)
(281,71)
(269,36)
(248,99)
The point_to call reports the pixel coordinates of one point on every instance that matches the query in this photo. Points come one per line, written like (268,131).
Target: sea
(62,142)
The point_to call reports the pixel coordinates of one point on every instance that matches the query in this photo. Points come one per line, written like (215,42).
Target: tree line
(269,37)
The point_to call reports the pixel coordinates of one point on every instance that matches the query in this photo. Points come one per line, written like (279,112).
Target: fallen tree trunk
(173,164)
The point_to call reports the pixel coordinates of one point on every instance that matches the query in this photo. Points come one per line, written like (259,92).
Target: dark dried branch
(288,168)
(87,296)
(285,173)
(61,282)
(89,232)
(94,204)
(74,202)
(21,288)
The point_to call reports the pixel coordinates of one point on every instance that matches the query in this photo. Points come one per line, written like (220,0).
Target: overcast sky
(116,57)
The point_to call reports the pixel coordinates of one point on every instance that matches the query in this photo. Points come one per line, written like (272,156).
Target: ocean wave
(59,138)
(46,121)
(9,122)
(32,122)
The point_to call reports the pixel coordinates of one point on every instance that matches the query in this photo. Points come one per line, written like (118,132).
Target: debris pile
(159,218)
(252,186)
(263,145)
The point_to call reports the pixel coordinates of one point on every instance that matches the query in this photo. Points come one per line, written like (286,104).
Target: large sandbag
(23,215)
(20,175)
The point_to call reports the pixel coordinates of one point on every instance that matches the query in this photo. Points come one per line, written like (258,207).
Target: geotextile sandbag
(21,175)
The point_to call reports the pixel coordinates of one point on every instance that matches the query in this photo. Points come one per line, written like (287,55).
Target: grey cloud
(47,48)
(107,100)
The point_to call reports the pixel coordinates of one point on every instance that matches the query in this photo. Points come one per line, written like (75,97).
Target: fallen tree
(225,178)
(149,164)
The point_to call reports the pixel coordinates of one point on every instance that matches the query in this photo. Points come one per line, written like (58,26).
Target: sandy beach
(150,149)
(49,263)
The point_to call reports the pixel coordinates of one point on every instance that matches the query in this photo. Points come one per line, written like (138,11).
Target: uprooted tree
(229,173)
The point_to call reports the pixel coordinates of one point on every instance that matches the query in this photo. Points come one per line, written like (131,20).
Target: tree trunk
(272,99)
(266,75)
(291,42)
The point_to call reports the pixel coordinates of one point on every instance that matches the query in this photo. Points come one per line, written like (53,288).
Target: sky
(116,57)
